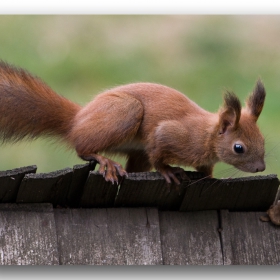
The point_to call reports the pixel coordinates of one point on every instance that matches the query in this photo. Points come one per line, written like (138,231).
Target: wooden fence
(73,216)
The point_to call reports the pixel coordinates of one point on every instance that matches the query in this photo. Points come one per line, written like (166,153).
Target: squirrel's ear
(255,101)
(230,113)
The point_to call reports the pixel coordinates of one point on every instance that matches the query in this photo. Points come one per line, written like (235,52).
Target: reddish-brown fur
(29,108)
(153,125)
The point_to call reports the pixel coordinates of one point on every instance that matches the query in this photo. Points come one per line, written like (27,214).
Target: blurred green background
(199,55)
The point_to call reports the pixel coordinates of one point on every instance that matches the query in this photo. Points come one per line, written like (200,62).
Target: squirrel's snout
(260,166)
(257,166)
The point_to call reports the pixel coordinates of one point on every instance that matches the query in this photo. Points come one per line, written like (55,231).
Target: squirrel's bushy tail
(29,108)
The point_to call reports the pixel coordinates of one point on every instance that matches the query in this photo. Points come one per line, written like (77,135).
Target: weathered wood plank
(248,241)
(113,236)
(149,189)
(50,187)
(190,238)
(27,235)
(243,194)
(10,181)
(79,178)
(97,192)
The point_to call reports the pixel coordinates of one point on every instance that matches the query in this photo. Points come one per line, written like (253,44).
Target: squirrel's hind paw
(108,169)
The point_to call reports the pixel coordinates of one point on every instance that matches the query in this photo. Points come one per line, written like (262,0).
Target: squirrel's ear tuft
(255,101)
(230,112)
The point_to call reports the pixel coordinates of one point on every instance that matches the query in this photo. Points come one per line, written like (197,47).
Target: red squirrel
(155,126)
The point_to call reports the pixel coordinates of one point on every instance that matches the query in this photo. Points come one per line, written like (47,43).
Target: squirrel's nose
(260,166)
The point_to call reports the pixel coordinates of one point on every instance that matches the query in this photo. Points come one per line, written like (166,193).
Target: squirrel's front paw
(169,173)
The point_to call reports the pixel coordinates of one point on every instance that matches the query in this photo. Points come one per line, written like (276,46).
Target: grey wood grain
(190,238)
(254,193)
(10,181)
(97,192)
(50,187)
(149,189)
(248,241)
(27,235)
(114,236)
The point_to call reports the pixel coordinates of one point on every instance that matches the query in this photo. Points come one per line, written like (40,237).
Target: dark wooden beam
(10,181)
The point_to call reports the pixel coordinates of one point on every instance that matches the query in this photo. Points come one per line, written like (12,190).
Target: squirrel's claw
(120,170)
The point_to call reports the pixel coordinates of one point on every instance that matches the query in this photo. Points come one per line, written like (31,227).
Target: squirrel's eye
(238,149)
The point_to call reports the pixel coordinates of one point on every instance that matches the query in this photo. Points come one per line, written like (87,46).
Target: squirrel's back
(29,108)
(161,103)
